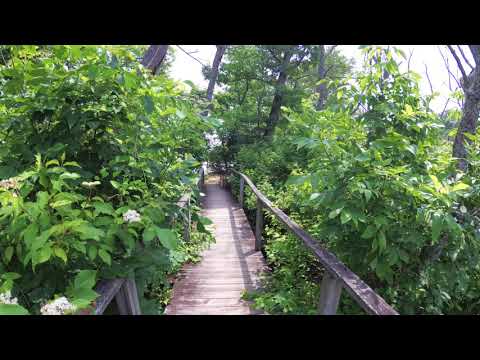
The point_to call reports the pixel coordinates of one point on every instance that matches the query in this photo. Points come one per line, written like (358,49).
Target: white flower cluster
(90,185)
(9,184)
(59,306)
(6,298)
(131,216)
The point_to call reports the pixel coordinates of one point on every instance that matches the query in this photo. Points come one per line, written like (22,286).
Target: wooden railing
(337,276)
(124,291)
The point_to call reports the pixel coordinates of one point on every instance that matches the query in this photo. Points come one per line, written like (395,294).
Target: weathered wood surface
(228,268)
(363,295)
(107,289)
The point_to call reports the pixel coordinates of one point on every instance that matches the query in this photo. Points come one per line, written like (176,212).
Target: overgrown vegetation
(96,150)
(94,154)
(371,176)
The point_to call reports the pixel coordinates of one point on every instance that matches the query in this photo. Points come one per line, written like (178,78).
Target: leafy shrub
(94,153)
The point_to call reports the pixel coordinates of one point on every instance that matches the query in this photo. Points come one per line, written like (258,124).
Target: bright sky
(186,68)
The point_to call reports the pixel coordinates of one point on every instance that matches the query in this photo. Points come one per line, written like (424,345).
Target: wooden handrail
(124,290)
(338,275)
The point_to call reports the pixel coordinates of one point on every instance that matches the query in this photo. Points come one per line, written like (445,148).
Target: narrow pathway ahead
(231,265)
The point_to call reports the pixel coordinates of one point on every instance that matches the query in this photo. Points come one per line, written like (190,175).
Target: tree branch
(445,60)
(475,49)
(428,78)
(464,57)
(194,58)
(459,63)
(409,58)
(330,50)
(273,54)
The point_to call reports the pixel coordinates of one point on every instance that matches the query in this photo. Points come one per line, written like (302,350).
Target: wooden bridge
(234,264)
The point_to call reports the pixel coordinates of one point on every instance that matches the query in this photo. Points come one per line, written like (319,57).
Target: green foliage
(86,134)
(370,178)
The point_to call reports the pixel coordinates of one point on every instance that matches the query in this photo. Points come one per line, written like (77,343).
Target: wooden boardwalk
(228,268)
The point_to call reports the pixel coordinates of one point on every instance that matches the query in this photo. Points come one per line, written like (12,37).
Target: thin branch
(273,54)
(459,63)
(445,59)
(194,58)
(428,78)
(326,71)
(464,57)
(444,108)
(330,50)
(409,58)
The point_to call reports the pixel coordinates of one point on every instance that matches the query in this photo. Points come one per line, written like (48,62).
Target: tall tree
(279,93)
(214,71)
(287,59)
(471,107)
(154,57)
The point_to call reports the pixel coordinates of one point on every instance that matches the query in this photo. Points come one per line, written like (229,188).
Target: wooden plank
(216,310)
(107,290)
(229,267)
(130,298)
(363,295)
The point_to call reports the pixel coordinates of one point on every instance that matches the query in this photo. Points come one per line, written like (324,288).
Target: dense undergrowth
(94,154)
(376,186)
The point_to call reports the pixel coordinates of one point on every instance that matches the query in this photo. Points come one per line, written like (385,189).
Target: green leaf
(85,279)
(42,198)
(148,234)
(8,254)
(89,232)
(60,253)
(438,185)
(437,226)
(10,276)
(92,252)
(105,256)
(12,309)
(297,180)
(44,255)
(204,220)
(52,162)
(103,208)
(115,184)
(181,115)
(83,296)
(460,186)
(345,217)
(362,157)
(334,213)
(60,203)
(368,194)
(167,238)
(369,232)
(382,240)
(69,175)
(148,104)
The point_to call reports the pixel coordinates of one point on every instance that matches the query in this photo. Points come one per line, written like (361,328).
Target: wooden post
(242,191)
(188,219)
(127,299)
(259,226)
(330,292)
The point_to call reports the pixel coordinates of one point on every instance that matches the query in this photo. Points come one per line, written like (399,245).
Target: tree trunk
(322,88)
(154,57)
(471,111)
(214,74)
(274,116)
